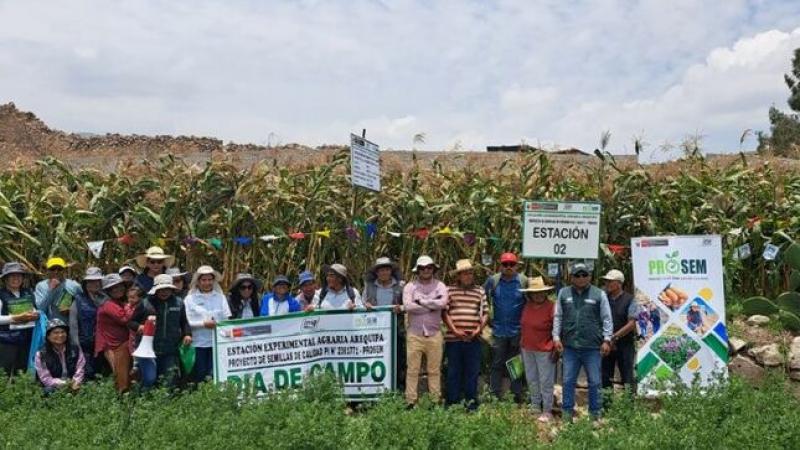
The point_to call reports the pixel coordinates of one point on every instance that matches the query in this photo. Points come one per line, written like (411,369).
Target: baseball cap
(614,275)
(578,268)
(508,257)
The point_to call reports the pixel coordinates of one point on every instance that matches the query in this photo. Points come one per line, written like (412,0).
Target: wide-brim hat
(155,253)
(11,268)
(205,270)
(536,284)
(175,272)
(423,261)
(93,274)
(462,265)
(162,281)
(338,269)
(111,280)
(383,262)
(241,278)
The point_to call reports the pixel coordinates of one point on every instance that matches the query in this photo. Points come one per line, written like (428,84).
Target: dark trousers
(622,356)
(463,367)
(203,364)
(503,349)
(167,369)
(14,357)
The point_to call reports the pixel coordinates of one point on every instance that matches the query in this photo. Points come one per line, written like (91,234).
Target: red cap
(508,257)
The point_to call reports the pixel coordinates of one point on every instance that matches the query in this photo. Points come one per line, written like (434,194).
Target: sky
(466,74)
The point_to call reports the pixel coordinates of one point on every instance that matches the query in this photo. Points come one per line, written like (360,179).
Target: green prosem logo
(673,265)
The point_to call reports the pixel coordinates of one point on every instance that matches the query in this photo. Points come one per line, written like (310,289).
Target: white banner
(268,353)
(682,318)
(365,163)
(560,230)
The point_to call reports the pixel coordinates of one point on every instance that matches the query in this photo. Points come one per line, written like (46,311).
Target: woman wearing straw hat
(18,315)
(153,262)
(538,352)
(465,317)
(112,331)
(205,306)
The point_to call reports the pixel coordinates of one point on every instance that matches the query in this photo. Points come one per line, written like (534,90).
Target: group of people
(95,325)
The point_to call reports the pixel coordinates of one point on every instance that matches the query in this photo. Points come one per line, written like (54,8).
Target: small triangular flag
(96,247)
(269,238)
(446,231)
(323,233)
(395,234)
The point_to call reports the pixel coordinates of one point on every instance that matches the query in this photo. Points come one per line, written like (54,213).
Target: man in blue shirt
(506,300)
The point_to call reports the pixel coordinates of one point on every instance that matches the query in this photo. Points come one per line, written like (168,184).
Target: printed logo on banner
(674,265)
(310,324)
(365,321)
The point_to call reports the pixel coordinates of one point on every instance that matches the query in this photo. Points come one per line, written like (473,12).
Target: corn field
(197,212)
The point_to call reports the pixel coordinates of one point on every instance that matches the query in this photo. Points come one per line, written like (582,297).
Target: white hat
(162,281)
(155,253)
(93,274)
(614,275)
(205,270)
(423,261)
(338,269)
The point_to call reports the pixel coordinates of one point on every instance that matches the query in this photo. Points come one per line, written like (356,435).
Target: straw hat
(155,253)
(536,284)
(462,265)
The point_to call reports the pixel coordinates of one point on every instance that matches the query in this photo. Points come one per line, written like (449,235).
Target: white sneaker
(545,418)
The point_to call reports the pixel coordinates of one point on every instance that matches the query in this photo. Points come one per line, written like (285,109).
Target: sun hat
(280,279)
(305,277)
(614,275)
(578,268)
(536,284)
(462,265)
(56,323)
(175,272)
(383,261)
(124,269)
(13,267)
(162,281)
(111,280)
(93,274)
(56,262)
(508,257)
(155,253)
(338,269)
(423,261)
(205,270)
(241,278)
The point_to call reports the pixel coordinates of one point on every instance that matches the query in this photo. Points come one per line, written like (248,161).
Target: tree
(784,137)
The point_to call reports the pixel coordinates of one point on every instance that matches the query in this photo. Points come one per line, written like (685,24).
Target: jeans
(624,357)
(203,364)
(147,370)
(503,349)
(589,359)
(463,367)
(540,371)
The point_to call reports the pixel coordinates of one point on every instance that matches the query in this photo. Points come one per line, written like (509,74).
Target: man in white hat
(424,298)
(624,311)
(465,317)
(153,262)
(172,330)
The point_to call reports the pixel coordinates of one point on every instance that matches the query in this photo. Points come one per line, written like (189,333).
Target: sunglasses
(430,267)
(581,275)
(245,286)
(509,264)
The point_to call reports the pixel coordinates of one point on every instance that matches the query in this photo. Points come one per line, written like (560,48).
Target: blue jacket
(507,302)
(294,305)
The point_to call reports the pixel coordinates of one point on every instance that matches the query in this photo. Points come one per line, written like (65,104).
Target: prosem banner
(268,353)
(682,316)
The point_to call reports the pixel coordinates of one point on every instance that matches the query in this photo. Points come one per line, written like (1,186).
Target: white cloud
(474,73)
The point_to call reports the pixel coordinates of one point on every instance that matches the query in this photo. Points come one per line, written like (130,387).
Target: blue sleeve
(294,305)
(265,305)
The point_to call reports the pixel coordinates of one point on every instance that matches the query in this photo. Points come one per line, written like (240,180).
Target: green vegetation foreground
(735,416)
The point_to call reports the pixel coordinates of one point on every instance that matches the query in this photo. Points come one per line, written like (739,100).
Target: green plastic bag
(187,355)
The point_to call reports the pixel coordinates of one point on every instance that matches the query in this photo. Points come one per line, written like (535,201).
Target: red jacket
(112,326)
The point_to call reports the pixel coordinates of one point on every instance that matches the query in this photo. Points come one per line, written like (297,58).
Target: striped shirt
(464,308)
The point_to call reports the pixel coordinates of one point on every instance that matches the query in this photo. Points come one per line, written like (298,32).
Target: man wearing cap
(112,331)
(308,290)
(582,330)
(338,291)
(465,317)
(83,318)
(55,294)
(172,329)
(18,316)
(506,302)
(424,298)
(153,262)
(243,297)
(279,302)
(624,311)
